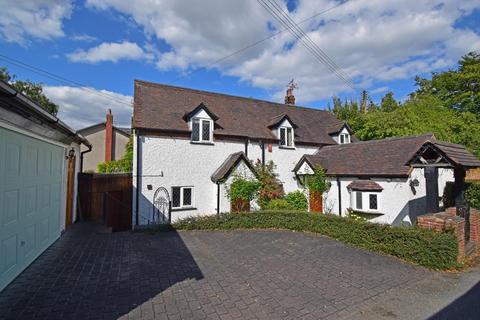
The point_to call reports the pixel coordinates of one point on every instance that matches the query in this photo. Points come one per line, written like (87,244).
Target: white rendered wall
(169,162)
(284,159)
(398,202)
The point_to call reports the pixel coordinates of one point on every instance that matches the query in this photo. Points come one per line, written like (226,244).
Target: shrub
(244,189)
(271,187)
(297,200)
(279,204)
(473,194)
(123,165)
(421,246)
(318,181)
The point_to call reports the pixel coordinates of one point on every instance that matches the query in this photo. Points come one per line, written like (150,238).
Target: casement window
(202,130)
(286,137)
(359,200)
(370,198)
(344,138)
(182,197)
(373,201)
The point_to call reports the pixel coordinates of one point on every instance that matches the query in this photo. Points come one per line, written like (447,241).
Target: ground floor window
(182,197)
(366,201)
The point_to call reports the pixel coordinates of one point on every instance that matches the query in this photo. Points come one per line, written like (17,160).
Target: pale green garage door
(30,200)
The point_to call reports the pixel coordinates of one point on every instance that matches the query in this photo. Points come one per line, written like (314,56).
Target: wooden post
(70,188)
(431,182)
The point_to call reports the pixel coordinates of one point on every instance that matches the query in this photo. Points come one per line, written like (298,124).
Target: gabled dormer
(342,134)
(201,123)
(284,129)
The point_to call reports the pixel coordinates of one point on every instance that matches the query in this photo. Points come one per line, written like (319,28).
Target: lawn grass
(420,246)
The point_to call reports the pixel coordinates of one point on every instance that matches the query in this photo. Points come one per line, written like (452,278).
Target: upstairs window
(286,137)
(344,138)
(202,130)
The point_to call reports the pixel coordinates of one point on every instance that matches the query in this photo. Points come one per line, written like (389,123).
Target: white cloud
(83,38)
(42,19)
(112,52)
(81,107)
(372,40)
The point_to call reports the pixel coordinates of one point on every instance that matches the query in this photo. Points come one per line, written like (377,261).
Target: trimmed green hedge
(421,246)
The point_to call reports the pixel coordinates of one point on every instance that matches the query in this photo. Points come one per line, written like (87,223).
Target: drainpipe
(246,148)
(81,157)
(137,135)
(218,198)
(262,146)
(339,196)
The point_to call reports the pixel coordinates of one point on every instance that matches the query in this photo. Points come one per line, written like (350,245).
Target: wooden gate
(106,198)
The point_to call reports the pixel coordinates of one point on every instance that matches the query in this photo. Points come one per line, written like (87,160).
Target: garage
(38,165)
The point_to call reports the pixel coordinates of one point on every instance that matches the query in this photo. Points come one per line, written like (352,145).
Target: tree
(458,89)
(389,103)
(32,90)
(123,165)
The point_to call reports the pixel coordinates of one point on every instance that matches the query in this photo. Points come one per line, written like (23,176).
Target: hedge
(472,194)
(421,246)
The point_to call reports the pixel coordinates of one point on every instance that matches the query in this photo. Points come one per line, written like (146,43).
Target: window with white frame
(371,198)
(202,130)
(286,137)
(182,197)
(344,138)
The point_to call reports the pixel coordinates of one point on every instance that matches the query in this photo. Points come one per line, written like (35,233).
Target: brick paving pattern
(202,275)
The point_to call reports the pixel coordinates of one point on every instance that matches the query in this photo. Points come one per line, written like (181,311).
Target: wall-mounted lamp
(71,153)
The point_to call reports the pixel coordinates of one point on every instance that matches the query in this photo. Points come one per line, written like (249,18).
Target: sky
(93,50)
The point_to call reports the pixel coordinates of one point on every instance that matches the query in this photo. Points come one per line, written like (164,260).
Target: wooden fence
(106,198)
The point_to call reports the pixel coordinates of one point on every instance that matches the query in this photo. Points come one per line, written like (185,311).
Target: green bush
(123,165)
(244,189)
(318,181)
(297,200)
(279,204)
(421,246)
(473,194)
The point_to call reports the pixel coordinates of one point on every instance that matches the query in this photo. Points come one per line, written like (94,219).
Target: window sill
(376,213)
(184,209)
(287,148)
(209,143)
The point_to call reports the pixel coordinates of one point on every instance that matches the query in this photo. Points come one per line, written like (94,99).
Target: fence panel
(106,198)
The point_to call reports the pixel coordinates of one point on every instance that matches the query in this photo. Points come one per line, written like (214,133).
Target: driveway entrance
(228,275)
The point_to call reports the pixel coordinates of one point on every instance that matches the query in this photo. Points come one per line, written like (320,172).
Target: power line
(61,79)
(283,18)
(253,44)
(306,41)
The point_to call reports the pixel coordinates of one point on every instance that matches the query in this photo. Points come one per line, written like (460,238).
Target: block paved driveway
(229,275)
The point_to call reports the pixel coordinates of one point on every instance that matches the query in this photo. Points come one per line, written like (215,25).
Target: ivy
(318,181)
(243,188)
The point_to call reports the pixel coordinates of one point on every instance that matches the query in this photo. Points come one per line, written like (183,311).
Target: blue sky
(106,44)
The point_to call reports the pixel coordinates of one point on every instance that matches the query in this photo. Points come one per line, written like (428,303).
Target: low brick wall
(448,220)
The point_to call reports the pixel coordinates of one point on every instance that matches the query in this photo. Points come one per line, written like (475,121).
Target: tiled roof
(364,185)
(229,164)
(386,157)
(163,107)
(458,154)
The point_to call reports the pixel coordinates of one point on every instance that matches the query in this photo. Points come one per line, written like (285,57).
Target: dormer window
(202,130)
(344,138)
(286,137)
(201,123)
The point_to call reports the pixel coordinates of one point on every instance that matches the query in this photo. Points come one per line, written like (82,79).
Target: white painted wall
(399,203)
(168,162)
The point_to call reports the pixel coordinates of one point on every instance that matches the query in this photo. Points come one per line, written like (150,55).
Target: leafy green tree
(32,90)
(389,103)
(458,89)
(123,165)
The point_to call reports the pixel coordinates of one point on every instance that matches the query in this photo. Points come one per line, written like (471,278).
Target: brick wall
(443,221)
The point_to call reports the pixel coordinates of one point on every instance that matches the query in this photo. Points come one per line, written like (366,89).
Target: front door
(431,181)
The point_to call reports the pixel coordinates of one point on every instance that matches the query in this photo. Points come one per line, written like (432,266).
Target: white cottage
(188,143)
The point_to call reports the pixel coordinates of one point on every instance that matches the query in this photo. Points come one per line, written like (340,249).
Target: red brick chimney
(109,136)
(290,98)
